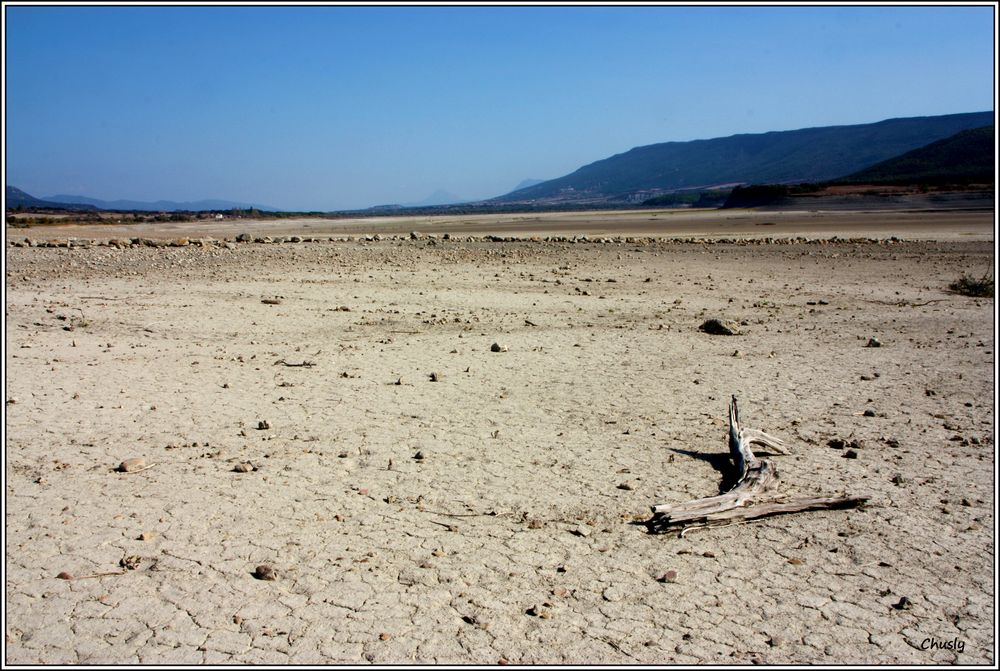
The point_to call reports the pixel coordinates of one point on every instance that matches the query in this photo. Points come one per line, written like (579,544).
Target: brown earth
(516,535)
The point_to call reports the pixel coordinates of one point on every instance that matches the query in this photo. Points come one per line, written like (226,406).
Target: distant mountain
(805,155)
(159,205)
(528,182)
(968,157)
(958,164)
(17,198)
(439,197)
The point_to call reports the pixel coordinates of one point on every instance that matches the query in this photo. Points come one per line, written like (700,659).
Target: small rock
(903,604)
(265,572)
(147,536)
(419,456)
(384,636)
(245,467)
(435,377)
(263,425)
(65,575)
(669,576)
(718,327)
(130,563)
(131,465)
(850,454)
(836,443)
(581,530)
(874,342)
(271,301)
(533,611)
(496,347)
(899,479)
(869,413)
(795,561)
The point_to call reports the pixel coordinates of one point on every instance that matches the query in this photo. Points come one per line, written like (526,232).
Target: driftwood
(751,498)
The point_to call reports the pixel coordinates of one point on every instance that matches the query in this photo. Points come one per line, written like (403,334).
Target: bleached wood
(746,500)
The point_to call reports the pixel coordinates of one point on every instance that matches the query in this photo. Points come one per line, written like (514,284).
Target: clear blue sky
(347,107)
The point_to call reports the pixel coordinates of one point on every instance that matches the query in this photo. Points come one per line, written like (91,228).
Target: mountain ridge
(803,155)
(159,205)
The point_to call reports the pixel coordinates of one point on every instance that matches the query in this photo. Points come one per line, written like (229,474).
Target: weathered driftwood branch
(752,497)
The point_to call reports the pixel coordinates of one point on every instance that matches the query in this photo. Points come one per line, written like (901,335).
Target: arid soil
(334,413)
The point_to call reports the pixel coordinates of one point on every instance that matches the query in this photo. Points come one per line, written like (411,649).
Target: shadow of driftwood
(720,461)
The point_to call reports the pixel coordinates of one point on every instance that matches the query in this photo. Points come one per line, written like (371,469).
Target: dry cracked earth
(282,402)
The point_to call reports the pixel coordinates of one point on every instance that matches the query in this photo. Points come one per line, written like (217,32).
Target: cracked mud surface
(514,537)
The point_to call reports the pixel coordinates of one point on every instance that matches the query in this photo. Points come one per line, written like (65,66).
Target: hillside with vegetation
(795,156)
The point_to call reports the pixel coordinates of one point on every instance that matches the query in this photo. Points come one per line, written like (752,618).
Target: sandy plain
(495,514)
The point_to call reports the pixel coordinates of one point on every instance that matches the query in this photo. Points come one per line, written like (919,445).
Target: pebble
(718,327)
(384,636)
(497,347)
(65,575)
(245,467)
(263,425)
(147,536)
(850,454)
(435,377)
(869,413)
(903,604)
(419,456)
(581,530)
(669,576)
(131,465)
(130,562)
(265,572)
(874,342)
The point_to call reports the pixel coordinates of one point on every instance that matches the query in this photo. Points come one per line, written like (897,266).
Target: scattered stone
(130,562)
(384,636)
(669,576)
(899,479)
(263,425)
(850,454)
(718,327)
(581,530)
(903,604)
(533,611)
(132,465)
(146,536)
(435,377)
(244,237)
(874,342)
(245,467)
(496,347)
(271,301)
(795,561)
(419,456)
(836,443)
(65,575)
(869,413)
(627,486)
(265,572)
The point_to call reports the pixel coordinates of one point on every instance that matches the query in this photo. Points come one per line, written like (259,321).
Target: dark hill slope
(805,155)
(967,157)
(15,198)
